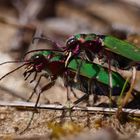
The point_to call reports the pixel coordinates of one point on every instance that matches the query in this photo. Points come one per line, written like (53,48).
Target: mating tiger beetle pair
(76,61)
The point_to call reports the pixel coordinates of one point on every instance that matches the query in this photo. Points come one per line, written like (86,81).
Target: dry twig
(21,104)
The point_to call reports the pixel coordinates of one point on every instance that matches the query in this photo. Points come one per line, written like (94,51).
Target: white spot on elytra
(136,50)
(97,77)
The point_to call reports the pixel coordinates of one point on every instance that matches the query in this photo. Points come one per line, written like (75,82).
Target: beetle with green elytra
(107,49)
(104,47)
(52,63)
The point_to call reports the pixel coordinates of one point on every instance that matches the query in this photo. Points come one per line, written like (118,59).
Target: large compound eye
(38,58)
(72,43)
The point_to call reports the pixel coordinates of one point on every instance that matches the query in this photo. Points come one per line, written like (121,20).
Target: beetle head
(72,48)
(36,63)
(73,45)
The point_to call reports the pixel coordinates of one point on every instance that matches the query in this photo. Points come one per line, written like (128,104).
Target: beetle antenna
(40,38)
(11,62)
(12,71)
(52,42)
(38,50)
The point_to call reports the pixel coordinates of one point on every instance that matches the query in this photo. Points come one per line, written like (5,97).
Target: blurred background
(21,20)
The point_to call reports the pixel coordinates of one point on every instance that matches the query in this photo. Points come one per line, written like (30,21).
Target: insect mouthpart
(68,58)
(30,68)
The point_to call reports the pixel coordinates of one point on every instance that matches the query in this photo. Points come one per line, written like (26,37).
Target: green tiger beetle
(123,55)
(105,48)
(52,63)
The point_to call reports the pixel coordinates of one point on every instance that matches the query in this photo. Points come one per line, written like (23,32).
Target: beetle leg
(76,79)
(46,87)
(34,77)
(93,90)
(110,75)
(27,76)
(73,92)
(66,84)
(34,90)
(38,81)
(71,84)
(86,95)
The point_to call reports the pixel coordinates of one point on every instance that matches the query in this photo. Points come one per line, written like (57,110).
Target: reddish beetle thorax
(91,45)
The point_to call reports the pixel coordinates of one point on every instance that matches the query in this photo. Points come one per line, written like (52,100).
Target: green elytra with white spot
(87,69)
(95,71)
